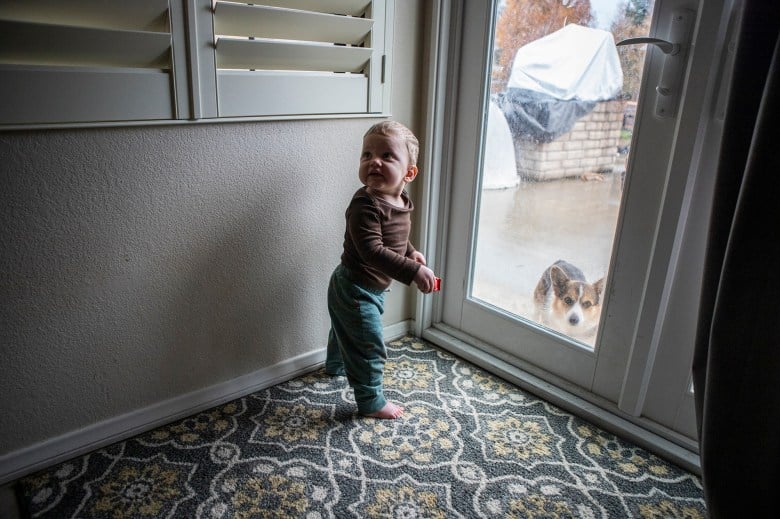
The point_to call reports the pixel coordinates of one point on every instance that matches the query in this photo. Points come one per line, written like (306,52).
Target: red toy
(437,284)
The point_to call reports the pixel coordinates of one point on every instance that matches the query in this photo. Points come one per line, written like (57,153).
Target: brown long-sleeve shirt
(376,242)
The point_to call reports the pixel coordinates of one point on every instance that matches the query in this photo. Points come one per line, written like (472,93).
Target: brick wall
(590,147)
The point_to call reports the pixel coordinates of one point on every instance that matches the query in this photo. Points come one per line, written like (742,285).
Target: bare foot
(389,411)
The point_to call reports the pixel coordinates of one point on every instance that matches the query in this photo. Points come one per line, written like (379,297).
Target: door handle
(666,47)
(675,48)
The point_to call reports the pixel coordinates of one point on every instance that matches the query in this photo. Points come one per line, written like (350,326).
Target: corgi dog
(566,302)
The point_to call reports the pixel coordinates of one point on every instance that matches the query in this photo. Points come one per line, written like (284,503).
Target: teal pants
(356,345)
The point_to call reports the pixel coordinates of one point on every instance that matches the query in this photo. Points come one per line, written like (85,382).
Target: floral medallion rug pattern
(468,445)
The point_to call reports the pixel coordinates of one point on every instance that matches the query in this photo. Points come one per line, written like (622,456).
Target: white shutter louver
(85,60)
(299,56)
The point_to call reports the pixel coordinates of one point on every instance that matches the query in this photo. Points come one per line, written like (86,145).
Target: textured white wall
(140,264)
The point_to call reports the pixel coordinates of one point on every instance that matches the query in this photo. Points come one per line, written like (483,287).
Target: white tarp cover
(500,171)
(573,63)
(557,79)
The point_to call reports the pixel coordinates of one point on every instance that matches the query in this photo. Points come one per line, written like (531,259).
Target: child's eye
(387,155)
(365,155)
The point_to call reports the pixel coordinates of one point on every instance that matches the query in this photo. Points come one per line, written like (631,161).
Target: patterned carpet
(469,445)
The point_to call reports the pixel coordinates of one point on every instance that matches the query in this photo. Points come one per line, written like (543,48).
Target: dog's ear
(559,280)
(599,287)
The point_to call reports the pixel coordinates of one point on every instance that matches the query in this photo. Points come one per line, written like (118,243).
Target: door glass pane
(560,120)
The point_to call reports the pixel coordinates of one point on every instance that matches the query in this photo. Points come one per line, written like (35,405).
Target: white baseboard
(36,457)
(395,331)
(27,460)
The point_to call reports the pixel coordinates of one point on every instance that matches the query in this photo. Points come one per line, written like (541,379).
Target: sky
(604,11)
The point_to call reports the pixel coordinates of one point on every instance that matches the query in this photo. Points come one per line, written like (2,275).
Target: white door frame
(625,416)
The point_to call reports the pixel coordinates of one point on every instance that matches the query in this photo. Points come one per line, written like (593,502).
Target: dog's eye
(586,304)
(568,300)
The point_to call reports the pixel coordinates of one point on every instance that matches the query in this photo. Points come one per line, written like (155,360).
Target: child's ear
(411,172)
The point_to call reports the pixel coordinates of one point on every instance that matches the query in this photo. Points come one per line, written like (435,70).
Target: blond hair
(394,128)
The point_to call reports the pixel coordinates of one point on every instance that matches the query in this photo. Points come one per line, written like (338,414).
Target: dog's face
(576,307)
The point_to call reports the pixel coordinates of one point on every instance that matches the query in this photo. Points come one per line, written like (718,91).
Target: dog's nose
(574,320)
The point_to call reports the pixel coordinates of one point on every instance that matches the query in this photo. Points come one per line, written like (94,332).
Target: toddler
(376,251)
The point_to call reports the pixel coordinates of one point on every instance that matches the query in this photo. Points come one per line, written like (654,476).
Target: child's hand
(418,257)
(425,279)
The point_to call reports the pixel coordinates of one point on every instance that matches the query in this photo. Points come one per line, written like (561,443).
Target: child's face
(384,165)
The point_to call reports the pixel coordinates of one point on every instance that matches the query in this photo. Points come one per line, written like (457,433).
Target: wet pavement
(524,229)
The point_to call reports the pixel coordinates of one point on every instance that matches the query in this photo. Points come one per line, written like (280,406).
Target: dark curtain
(736,367)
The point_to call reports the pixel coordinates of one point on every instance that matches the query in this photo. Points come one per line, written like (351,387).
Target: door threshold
(659,440)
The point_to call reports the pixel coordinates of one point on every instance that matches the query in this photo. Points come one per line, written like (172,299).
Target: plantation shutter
(293,57)
(86,60)
(113,62)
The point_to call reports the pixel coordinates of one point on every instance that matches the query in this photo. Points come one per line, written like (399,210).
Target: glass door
(563,158)
(562,104)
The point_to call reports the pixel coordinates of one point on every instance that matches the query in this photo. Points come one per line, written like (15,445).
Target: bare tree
(633,21)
